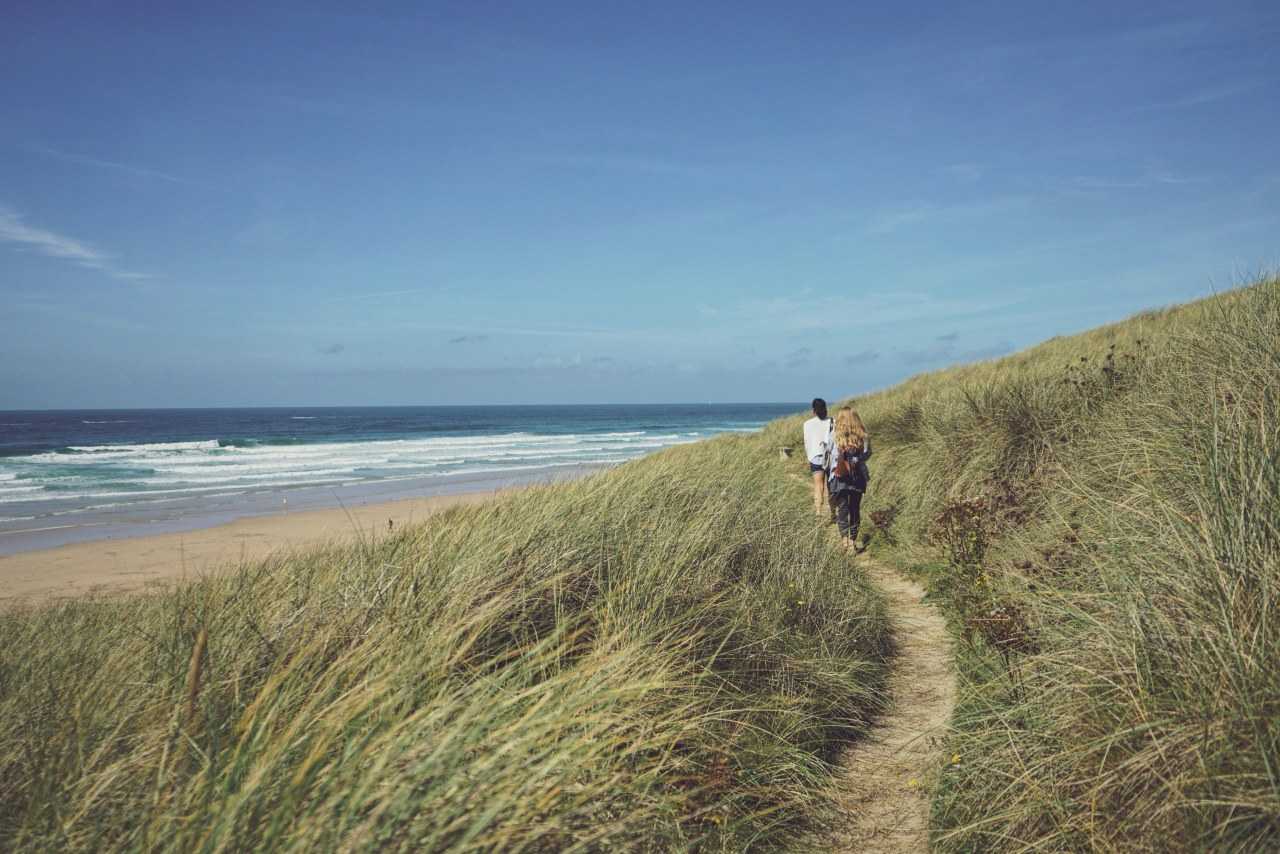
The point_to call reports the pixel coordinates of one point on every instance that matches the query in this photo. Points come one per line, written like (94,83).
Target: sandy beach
(130,565)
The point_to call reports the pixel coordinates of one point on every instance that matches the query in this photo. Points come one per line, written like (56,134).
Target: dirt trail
(884,777)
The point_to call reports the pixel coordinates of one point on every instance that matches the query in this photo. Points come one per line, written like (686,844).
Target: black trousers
(848,509)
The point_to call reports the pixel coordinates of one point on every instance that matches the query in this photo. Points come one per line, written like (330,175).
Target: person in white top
(817,440)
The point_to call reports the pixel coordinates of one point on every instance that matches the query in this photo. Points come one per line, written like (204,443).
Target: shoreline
(148,519)
(81,476)
(134,564)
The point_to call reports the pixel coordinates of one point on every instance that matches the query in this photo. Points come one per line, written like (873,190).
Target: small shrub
(882,522)
(960,528)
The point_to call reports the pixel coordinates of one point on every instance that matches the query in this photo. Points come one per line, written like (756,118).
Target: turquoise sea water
(75,475)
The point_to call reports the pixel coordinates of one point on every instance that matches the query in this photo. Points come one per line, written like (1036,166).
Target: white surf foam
(164,471)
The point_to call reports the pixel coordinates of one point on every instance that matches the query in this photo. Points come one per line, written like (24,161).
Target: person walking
(848,475)
(817,443)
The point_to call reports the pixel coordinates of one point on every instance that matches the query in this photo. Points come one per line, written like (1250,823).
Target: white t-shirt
(816,433)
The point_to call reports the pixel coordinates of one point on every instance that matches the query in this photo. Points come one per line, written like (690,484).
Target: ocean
(76,475)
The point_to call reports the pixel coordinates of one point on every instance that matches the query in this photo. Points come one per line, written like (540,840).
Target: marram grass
(664,656)
(1101,517)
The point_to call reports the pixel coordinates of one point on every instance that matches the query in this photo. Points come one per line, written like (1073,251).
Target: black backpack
(856,479)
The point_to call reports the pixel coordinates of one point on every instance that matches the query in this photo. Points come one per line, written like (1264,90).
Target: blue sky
(519,203)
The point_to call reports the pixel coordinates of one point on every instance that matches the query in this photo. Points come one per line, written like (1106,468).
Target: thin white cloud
(14,230)
(1088,47)
(1201,97)
(966,173)
(640,164)
(83,160)
(889,221)
(382,295)
(459,330)
(877,310)
(1149,179)
(557,361)
(543,332)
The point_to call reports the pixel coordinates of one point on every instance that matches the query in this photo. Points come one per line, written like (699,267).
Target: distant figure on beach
(817,444)
(848,475)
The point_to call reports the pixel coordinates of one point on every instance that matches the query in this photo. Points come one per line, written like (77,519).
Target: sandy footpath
(885,780)
(132,564)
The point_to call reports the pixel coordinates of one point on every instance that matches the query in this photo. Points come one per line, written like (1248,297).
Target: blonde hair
(850,431)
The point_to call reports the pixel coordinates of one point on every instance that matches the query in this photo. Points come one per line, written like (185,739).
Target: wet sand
(130,565)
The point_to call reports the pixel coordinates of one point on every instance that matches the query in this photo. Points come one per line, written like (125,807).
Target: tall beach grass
(1100,516)
(663,656)
(667,656)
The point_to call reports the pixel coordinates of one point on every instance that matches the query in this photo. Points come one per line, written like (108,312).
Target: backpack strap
(829,446)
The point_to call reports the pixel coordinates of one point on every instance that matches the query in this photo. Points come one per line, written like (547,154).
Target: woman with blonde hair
(847,473)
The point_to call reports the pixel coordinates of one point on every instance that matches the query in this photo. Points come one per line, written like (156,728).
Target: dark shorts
(814,468)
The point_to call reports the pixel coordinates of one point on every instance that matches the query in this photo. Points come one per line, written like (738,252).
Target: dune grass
(659,657)
(666,656)
(1100,516)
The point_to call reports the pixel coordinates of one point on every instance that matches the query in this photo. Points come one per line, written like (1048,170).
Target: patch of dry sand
(138,563)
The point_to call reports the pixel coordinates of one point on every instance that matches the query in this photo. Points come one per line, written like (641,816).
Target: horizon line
(402,406)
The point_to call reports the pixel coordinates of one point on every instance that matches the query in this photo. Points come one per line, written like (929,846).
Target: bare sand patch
(134,564)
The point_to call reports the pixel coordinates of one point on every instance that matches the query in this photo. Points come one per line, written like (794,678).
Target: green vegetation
(667,655)
(1100,517)
(661,656)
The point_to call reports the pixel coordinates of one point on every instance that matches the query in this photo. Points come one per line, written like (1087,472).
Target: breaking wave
(88,473)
